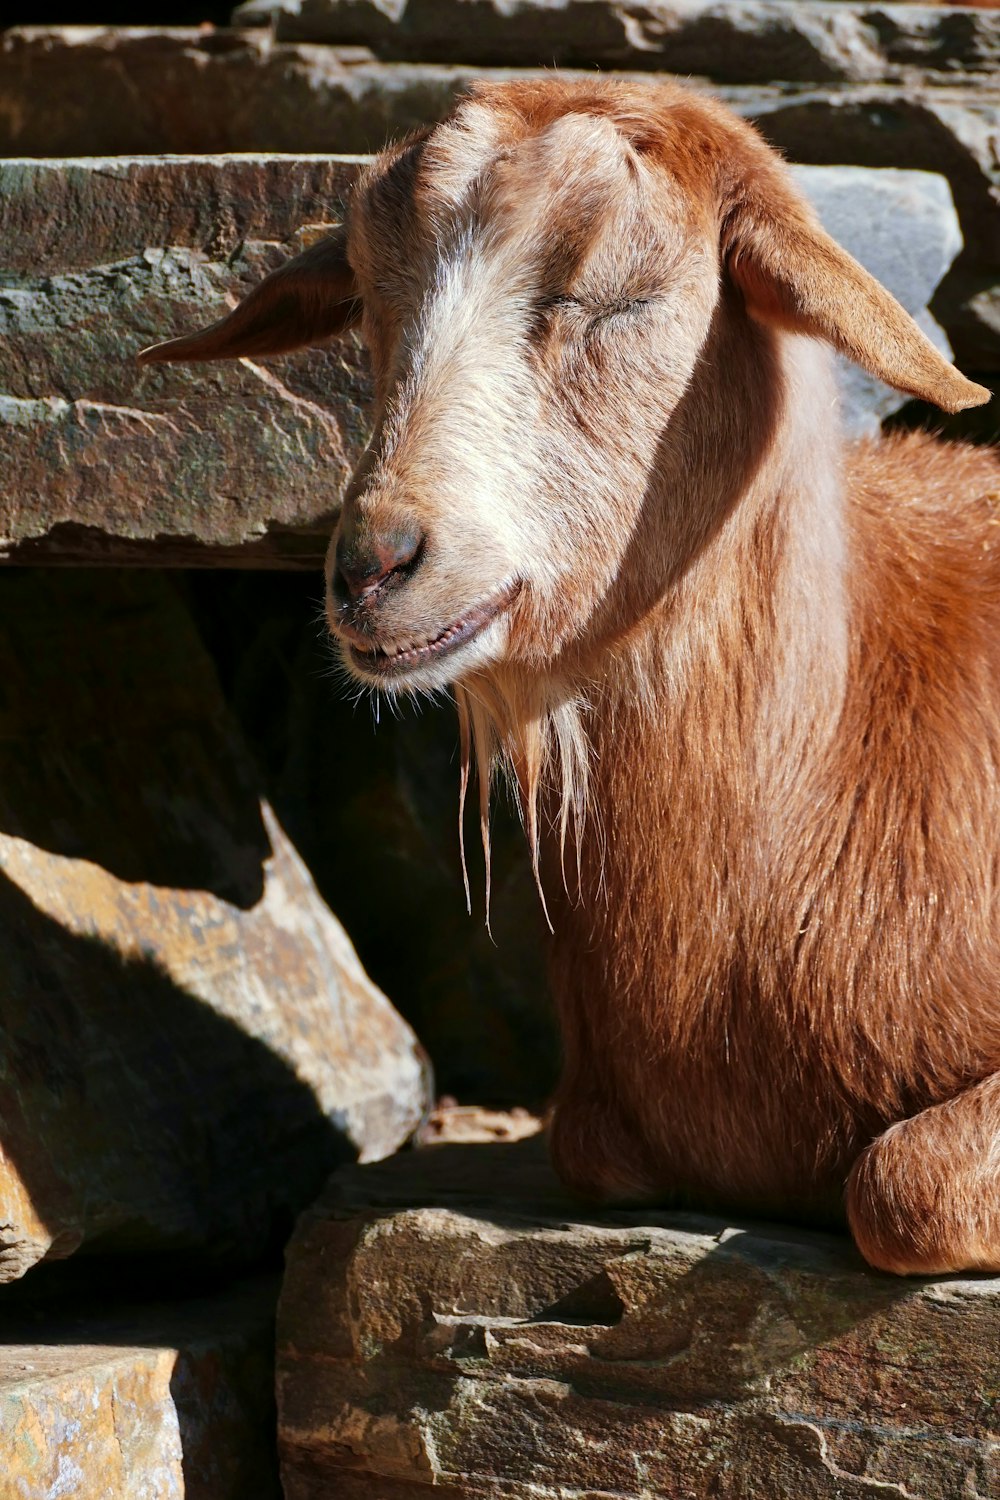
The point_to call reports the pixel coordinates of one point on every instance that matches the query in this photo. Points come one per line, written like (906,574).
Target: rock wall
(914,105)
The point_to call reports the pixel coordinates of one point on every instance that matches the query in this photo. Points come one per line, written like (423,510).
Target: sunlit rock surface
(453,1321)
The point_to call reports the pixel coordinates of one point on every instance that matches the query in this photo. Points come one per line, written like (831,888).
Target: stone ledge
(238,462)
(103,256)
(453,1319)
(183,90)
(731,41)
(139,1403)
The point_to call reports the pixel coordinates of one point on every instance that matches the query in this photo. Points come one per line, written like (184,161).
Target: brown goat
(747,677)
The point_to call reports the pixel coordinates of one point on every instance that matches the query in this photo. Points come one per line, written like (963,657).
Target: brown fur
(749,687)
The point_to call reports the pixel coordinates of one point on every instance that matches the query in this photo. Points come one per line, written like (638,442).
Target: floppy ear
(310,298)
(793,274)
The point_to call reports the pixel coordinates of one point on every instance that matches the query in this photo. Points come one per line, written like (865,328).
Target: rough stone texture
(239,462)
(953,132)
(732,41)
(188,1043)
(185,90)
(182,91)
(452,1319)
(110,1402)
(102,257)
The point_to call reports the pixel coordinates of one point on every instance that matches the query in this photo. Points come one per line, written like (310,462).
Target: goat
(746,677)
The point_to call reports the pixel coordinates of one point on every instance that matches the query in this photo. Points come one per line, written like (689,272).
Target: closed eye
(597,311)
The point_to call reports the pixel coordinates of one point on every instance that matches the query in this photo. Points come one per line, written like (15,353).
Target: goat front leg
(594,1151)
(924,1197)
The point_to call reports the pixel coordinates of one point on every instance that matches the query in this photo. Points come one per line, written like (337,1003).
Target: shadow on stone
(97,766)
(137,1119)
(371,802)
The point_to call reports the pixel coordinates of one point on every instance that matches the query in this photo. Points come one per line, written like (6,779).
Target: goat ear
(793,274)
(312,297)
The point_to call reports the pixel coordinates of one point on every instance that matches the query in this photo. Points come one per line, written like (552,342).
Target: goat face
(543,280)
(535,308)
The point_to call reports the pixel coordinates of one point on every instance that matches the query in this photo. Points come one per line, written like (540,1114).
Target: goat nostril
(364,563)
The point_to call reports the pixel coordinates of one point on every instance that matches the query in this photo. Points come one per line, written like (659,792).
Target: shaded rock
(731,41)
(188,1042)
(186,90)
(343,776)
(140,1403)
(104,256)
(453,1319)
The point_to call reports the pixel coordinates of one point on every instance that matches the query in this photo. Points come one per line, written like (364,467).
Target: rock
(952,132)
(385,786)
(452,1319)
(187,90)
(903,228)
(236,462)
(730,41)
(105,256)
(188,1043)
(450,1123)
(106,1399)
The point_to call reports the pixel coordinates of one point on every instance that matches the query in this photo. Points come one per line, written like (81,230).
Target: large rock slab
(186,90)
(102,1400)
(731,41)
(104,256)
(453,1320)
(211,92)
(903,228)
(188,1042)
(238,462)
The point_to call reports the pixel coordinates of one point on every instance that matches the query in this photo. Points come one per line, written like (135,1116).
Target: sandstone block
(453,1320)
(106,1401)
(731,41)
(188,1042)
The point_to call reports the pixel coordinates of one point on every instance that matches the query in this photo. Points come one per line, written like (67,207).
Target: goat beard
(532,735)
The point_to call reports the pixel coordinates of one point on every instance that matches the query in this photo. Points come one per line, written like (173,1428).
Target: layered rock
(452,1320)
(182,91)
(100,1398)
(731,41)
(188,1042)
(235,462)
(186,90)
(104,256)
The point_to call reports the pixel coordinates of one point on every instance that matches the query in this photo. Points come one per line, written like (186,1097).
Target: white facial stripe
(464,418)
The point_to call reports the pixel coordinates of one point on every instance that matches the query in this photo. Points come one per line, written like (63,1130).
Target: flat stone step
(731,41)
(238,462)
(452,1319)
(100,1400)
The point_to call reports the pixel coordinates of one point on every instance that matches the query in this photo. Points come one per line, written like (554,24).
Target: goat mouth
(393,661)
